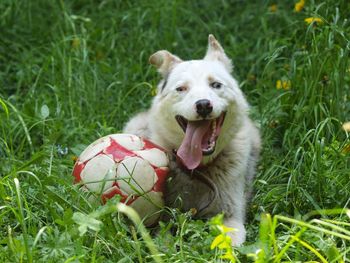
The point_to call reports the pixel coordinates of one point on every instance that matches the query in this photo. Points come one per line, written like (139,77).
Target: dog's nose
(204,107)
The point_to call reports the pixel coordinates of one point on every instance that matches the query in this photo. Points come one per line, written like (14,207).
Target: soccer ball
(128,166)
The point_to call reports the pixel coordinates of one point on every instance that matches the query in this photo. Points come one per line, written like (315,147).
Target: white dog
(201,116)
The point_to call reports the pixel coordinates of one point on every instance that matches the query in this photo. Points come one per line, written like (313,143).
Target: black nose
(204,107)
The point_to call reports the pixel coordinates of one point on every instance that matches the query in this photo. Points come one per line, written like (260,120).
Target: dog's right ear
(164,61)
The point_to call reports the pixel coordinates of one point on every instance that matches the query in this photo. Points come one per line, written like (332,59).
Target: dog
(200,116)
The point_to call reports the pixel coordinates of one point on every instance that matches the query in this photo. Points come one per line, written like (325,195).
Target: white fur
(232,165)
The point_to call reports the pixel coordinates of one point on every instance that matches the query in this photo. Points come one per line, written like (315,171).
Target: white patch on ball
(135,175)
(99,173)
(94,148)
(128,141)
(155,156)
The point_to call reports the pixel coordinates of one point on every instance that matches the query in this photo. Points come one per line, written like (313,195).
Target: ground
(73,71)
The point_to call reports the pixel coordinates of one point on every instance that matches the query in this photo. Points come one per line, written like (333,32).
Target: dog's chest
(207,191)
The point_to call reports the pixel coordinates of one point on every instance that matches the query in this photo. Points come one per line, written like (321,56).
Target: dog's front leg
(238,234)
(234,204)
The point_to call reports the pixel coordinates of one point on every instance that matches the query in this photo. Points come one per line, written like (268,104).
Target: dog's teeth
(213,126)
(212,137)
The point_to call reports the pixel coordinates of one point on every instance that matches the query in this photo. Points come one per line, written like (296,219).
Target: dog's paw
(238,238)
(238,235)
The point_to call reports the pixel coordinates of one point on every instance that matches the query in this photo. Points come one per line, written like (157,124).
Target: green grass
(72,71)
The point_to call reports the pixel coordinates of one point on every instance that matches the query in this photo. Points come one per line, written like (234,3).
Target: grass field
(72,71)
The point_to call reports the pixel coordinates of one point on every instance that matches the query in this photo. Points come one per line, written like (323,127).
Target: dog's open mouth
(200,139)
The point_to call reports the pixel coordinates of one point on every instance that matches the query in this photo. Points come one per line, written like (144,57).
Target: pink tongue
(190,151)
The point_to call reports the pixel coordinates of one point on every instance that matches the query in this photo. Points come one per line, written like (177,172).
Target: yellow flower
(283,84)
(310,20)
(223,241)
(273,8)
(278,84)
(346,149)
(299,6)
(75,42)
(224,229)
(228,256)
(346,126)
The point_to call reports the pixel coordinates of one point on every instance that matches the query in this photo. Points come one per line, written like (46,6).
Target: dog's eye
(216,85)
(181,89)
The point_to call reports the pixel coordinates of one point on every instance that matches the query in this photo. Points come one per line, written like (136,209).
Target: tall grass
(72,71)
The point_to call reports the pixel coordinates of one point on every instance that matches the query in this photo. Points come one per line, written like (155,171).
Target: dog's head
(199,105)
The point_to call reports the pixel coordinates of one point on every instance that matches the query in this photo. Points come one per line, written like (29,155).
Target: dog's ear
(164,61)
(216,52)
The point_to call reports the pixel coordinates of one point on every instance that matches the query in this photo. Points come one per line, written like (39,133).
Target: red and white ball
(125,165)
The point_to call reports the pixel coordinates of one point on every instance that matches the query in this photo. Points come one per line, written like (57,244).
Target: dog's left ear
(216,52)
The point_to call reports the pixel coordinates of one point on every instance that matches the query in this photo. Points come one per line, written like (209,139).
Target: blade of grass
(313,250)
(26,132)
(22,220)
(131,213)
(310,226)
(3,105)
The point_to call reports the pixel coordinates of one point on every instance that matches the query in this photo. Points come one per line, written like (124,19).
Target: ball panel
(135,175)
(148,207)
(114,190)
(162,174)
(155,156)
(118,151)
(98,173)
(94,148)
(149,145)
(78,167)
(128,141)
